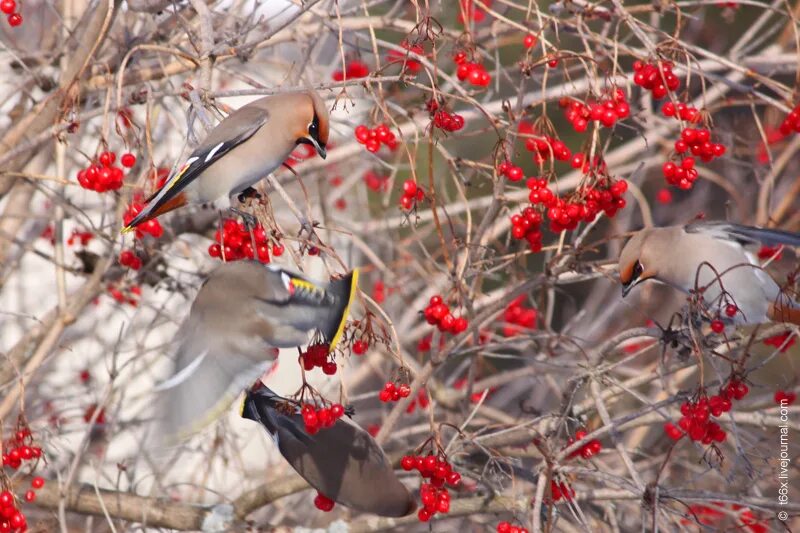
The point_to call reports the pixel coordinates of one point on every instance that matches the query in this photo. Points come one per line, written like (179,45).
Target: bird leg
(248,219)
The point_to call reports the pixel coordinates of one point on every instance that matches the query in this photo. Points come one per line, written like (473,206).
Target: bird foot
(249,220)
(248,194)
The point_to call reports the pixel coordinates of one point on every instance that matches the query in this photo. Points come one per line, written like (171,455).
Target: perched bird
(713,256)
(343,462)
(242,314)
(246,146)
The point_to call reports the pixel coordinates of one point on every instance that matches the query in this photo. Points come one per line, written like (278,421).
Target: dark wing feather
(230,133)
(745,235)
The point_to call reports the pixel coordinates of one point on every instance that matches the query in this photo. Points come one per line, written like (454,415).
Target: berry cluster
(123,295)
(785,397)
(447,121)
(318,355)
(512,172)
(681,111)
(11,518)
(412,193)
(698,141)
(438,313)
(656,78)
(561,490)
(583,205)
(590,449)
(20,449)
(105,176)
(518,317)
(323,503)
(354,69)
(128,258)
(696,420)
(235,243)
(506,527)
(378,294)
(81,236)
(412,65)
(475,73)
(468,7)
(527,226)
(373,138)
(376,183)
(545,147)
(392,392)
(9,7)
(324,417)
(607,111)
(153,227)
(434,494)
(792,122)
(422,400)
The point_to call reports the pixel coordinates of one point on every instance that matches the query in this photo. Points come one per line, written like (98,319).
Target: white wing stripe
(184,374)
(214,151)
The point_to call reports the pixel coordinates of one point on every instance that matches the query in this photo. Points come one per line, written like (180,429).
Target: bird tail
(785,312)
(154,209)
(344,290)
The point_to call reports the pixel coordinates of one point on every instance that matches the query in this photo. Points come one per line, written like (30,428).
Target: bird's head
(636,262)
(313,123)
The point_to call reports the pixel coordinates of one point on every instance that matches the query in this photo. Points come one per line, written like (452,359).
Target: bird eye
(313,127)
(637,269)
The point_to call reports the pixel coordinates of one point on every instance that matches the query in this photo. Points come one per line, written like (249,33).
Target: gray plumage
(343,462)
(243,312)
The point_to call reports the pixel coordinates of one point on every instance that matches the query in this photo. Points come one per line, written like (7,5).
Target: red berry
(8,6)
(529,41)
(37,482)
(717,326)
(127,160)
(730,310)
(14,19)
(30,496)
(323,503)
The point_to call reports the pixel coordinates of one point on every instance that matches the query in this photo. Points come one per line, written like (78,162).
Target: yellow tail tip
(353,287)
(127,229)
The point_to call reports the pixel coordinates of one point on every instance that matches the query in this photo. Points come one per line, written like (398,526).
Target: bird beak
(626,287)
(318,147)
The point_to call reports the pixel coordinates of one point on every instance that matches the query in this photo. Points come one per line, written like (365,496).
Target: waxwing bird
(343,462)
(242,314)
(713,256)
(246,146)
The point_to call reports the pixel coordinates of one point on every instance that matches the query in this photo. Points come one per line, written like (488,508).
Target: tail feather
(788,313)
(344,290)
(156,209)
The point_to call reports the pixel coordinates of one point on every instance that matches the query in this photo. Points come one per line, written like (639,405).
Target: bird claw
(249,220)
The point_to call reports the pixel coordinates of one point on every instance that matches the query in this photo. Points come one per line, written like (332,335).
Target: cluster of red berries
(437,312)
(301,153)
(128,258)
(324,417)
(561,490)
(792,122)
(527,226)
(353,69)
(412,193)
(506,527)
(373,138)
(657,78)
(318,355)
(448,121)
(683,174)
(512,172)
(681,111)
(474,73)
(105,176)
(88,414)
(323,503)
(785,397)
(597,163)
(123,295)
(696,421)
(392,392)
(81,236)
(9,7)
(235,243)
(590,449)
(544,148)
(12,520)
(412,65)
(422,400)
(583,205)
(607,110)
(20,449)
(153,226)
(379,294)
(375,182)
(434,494)
(517,317)
(717,325)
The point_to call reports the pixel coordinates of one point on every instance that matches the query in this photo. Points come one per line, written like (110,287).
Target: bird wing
(235,129)
(292,288)
(343,462)
(211,370)
(744,235)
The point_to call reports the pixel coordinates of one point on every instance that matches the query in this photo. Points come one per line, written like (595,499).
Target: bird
(713,256)
(247,145)
(243,313)
(343,462)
